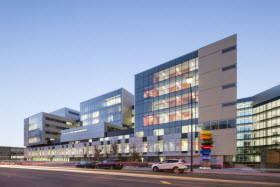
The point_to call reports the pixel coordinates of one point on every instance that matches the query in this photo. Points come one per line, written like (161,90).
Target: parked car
(176,165)
(85,164)
(110,164)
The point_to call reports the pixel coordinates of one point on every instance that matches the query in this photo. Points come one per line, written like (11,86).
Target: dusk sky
(56,54)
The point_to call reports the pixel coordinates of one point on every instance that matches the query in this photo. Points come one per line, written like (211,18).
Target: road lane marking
(145,181)
(105,178)
(191,184)
(140,175)
(165,182)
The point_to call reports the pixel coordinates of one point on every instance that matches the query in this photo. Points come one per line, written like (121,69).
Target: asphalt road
(14,176)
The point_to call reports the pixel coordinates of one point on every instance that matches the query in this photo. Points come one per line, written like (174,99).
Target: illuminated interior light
(189,79)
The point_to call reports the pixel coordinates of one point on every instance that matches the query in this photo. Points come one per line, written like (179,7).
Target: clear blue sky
(59,53)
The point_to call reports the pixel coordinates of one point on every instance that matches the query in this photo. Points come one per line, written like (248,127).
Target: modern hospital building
(156,120)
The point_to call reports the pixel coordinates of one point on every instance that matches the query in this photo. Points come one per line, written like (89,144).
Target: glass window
(146,121)
(185,67)
(185,129)
(172,116)
(156,119)
(192,64)
(95,114)
(162,89)
(155,105)
(156,91)
(151,92)
(178,70)
(160,146)
(172,86)
(178,115)
(160,132)
(146,92)
(172,101)
(172,72)
(163,117)
(186,114)
(178,100)
(178,83)
(184,84)
(185,99)
(126,148)
(155,132)
(156,77)
(144,147)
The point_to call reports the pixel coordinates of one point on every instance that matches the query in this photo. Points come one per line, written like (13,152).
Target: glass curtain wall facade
(11,153)
(114,108)
(106,108)
(44,128)
(266,127)
(162,97)
(35,127)
(244,127)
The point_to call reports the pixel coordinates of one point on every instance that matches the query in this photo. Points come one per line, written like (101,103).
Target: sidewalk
(224,171)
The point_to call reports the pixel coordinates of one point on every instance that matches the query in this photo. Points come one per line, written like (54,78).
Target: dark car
(85,164)
(110,164)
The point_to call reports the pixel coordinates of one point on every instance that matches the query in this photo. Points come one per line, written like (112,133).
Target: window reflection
(178,100)
(170,116)
(177,70)
(100,110)
(180,83)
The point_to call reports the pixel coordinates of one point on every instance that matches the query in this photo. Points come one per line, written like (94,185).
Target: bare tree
(114,149)
(134,154)
(120,156)
(97,152)
(107,154)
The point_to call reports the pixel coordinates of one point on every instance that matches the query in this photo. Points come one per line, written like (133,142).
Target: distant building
(44,128)
(266,127)
(67,113)
(11,153)
(103,114)
(114,107)
(258,129)
(244,127)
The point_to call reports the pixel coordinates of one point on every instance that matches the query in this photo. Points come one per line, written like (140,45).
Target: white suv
(177,165)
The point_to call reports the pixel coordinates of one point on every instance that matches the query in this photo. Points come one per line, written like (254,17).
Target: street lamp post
(189,81)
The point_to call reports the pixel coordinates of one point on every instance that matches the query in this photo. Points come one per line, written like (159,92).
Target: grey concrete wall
(224,142)
(56,124)
(212,78)
(65,112)
(26,129)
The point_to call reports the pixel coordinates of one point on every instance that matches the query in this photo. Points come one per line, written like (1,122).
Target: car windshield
(173,161)
(83,162)
(183,161)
